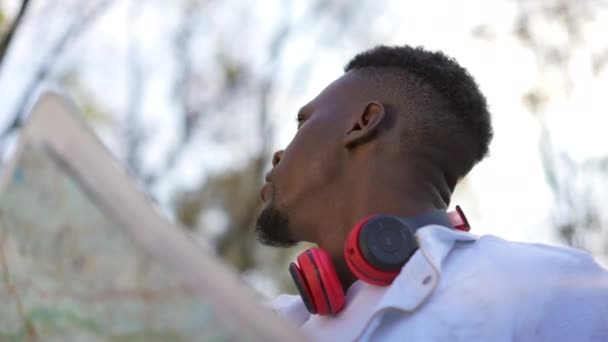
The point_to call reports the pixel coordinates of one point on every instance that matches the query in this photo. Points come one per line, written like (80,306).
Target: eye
(300,120)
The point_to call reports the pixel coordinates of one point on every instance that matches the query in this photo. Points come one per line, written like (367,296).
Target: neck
(403,196)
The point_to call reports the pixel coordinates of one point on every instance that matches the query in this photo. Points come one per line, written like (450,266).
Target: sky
(505,195)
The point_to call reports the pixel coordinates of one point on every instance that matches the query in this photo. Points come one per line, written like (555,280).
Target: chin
(273,228)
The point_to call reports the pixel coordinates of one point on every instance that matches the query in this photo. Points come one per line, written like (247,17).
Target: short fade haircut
(448,121)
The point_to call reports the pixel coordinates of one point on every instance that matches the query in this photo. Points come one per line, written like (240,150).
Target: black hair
(448,118)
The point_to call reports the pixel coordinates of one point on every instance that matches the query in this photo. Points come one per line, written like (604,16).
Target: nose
(276,157)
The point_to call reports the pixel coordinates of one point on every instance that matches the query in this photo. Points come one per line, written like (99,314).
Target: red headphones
(375,250)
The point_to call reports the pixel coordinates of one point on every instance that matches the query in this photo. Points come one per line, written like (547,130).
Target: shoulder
(471,263)
(544,269)
(567,294)
(527,274)
(557,293)
(517,257)
(542,292)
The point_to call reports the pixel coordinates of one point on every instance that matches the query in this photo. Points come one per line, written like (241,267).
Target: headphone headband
(437,216)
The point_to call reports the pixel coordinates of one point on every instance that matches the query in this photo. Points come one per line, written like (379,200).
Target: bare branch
(190,115)
(4,45)
(49,61)
(133,134)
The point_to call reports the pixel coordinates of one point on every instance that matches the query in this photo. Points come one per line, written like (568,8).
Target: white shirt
(460,287)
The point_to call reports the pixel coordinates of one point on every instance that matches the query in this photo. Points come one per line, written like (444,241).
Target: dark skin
(347,162)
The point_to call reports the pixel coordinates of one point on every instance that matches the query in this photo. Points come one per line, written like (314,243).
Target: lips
(265,193)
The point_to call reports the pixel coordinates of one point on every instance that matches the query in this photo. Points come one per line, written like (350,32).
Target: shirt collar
(420,276)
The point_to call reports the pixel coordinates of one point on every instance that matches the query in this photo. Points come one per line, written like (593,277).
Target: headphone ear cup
(329,280)
(302,286)
(377,248)
(316,278)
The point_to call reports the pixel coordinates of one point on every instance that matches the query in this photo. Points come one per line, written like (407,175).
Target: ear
(365,125)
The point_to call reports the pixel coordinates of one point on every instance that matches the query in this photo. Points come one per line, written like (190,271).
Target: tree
(578,186)
(7,37)
(77,26)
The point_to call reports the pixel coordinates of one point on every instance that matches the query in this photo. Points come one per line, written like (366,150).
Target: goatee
(272,228)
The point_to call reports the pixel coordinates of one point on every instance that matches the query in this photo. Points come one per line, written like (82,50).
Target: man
(393,136)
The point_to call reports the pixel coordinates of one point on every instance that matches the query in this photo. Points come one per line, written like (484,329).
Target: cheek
(309,164)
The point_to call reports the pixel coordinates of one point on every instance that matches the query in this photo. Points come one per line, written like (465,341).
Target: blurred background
(194,96)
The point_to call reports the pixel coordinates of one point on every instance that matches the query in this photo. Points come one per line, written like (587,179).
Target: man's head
(400,118)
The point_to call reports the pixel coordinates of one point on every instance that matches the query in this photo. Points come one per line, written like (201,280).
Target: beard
(272,228)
